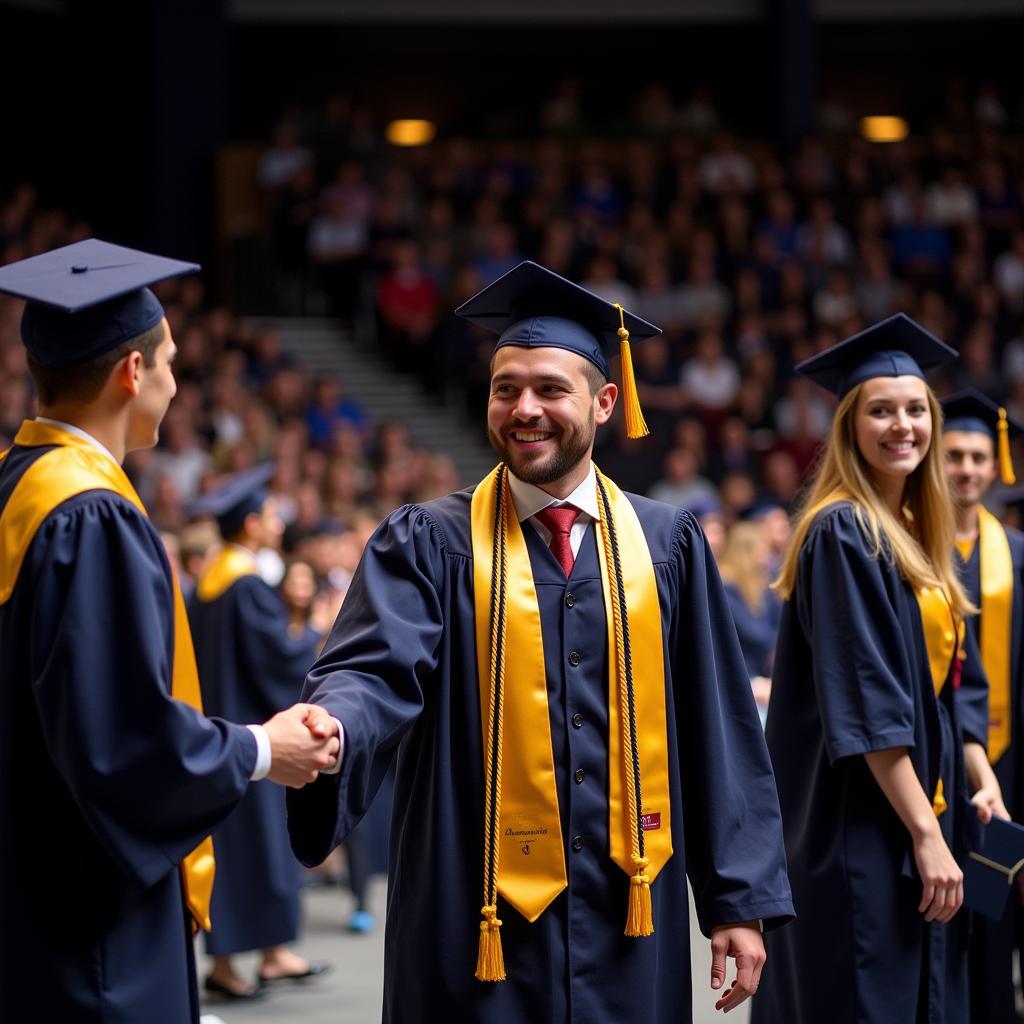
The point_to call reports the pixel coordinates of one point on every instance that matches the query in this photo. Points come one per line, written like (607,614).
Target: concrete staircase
(325,348)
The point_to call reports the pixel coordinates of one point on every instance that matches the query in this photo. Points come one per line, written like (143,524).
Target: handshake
(304,741)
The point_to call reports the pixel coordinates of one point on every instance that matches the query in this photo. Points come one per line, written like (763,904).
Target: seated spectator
(951,202)
(1008,274)
(680,484)
(338,242)
(710,378)
(745,566)
(725,169)
(284,159)
(329,408)
(179,463)
(921,250)
(820,240)
(702,293)
(408,309)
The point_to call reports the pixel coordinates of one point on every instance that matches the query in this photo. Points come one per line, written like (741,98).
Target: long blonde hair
(740,566)
(925,557)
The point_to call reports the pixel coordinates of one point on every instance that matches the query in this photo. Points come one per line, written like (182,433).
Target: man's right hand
(302,743)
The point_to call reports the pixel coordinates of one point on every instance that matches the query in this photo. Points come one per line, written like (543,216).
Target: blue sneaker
(361,923)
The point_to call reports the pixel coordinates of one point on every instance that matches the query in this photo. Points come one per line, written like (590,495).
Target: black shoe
(215,988)
(315,969)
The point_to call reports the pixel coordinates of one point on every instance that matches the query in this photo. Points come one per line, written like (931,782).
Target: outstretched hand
(744,944)
(303,741)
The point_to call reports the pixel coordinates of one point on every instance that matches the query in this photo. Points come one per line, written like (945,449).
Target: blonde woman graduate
(879,710)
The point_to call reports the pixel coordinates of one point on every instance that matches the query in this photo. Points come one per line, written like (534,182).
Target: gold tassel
(635,423)
(1005,458)
(640,917)
(490,960)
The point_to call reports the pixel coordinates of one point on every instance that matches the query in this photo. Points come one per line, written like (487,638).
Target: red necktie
(559,519)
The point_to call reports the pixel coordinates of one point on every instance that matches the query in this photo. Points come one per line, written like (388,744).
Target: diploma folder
(991,872)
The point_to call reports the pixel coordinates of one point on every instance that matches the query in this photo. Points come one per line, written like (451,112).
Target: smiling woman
(869,743)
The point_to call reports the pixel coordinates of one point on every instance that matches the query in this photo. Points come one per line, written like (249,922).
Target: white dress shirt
(529,500)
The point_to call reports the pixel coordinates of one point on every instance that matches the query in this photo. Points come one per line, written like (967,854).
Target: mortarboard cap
(237,497)
(991,871)
(86,299)
(894,347)
(972,412)
(533,307)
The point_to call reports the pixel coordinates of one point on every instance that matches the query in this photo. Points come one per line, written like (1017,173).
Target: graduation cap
(86,299)
(533,307)
(894,347)
(991,871)
(238,496)
(972,412)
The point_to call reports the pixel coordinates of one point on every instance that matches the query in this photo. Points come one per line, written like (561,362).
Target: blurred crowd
(750,259)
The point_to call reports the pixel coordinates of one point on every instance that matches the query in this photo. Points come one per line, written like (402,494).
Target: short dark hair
(83,382)
(595,378)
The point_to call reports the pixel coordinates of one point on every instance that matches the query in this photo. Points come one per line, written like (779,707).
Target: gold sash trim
(71,468)
(996,572)
(531,860)
(230,564)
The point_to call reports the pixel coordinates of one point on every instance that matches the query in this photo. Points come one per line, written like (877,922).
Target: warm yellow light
(411,132)
(884,129)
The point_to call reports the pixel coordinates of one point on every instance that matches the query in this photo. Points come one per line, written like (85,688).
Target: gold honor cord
(996,573)
(524,854)
(71,468)
(1010,872)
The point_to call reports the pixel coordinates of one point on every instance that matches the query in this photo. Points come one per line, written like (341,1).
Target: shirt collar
(529,500)
(79,433)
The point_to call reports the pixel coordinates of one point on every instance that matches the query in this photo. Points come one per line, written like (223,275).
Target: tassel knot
(640,916)
(490,960)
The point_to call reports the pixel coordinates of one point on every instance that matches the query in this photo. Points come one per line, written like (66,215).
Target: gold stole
(531,854)
(72,468)
(996,573)
(943,640)
(230,564)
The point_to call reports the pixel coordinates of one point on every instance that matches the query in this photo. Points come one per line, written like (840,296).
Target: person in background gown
(879,709)
(976,437)
(250,665)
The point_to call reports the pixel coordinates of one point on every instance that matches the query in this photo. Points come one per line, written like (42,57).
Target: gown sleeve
(862,675)
(735,855)
(371,674)
(150,775)
(276,662)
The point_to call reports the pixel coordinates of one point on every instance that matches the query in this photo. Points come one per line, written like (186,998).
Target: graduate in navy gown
(976,437)
(755,607)
(554,665)
(878,715)
(111,779)
(250,666)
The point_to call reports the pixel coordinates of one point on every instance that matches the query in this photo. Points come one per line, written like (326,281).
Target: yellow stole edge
(996,574)
(229,565)
(643,609)
(72,468)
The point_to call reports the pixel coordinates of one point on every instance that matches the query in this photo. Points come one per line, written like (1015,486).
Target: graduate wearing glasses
(879,714)
(554,664)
